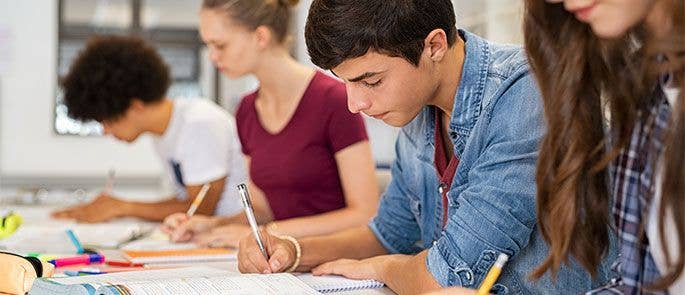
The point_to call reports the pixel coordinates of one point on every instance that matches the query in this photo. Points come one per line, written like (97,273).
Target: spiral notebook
(330,284)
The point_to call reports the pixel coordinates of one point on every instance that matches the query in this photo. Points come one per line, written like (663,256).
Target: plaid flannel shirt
(632,191)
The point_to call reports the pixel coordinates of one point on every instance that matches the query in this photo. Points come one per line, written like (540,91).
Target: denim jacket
(496,127)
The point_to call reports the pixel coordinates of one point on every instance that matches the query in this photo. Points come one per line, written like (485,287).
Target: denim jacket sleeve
(493,210)
(394,224)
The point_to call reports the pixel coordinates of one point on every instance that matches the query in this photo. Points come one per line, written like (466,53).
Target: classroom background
(47,158)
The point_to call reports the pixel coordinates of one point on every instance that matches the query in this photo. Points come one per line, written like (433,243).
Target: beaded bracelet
(298,250)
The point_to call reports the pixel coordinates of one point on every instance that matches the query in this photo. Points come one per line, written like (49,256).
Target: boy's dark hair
(338,30)
(109,73)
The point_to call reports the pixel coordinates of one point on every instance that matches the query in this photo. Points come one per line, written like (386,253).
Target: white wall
(28,145)
(300,16)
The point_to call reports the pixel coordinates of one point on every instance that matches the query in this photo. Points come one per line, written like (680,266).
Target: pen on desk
(76,260)
(493,274)
(198,200)
(109,185)
(249,212)
(75,241)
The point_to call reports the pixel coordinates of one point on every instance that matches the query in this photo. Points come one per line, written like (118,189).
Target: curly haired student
(122,82)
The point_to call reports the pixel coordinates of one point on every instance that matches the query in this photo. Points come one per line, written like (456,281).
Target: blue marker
(74,240)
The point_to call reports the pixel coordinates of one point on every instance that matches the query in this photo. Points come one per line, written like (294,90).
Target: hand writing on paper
(180,228)
(282,254)
(453,291)
(103,208)
(223,236)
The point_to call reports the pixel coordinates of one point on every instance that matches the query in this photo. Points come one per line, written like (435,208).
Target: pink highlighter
(76,260)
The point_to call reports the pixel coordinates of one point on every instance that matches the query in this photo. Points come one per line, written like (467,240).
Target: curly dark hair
(109,73)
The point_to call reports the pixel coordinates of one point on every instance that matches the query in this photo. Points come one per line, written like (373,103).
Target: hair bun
(288,3)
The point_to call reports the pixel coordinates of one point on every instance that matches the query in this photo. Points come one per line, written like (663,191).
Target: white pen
(198,200)
(247,204)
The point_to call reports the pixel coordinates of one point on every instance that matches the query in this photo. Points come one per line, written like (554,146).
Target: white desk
(41,215)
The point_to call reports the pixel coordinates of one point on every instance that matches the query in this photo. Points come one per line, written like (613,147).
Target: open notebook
(329,284)
(52,238)
(180,281)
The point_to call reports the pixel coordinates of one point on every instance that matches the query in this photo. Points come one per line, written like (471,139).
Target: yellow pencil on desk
(198,200)
(493,274)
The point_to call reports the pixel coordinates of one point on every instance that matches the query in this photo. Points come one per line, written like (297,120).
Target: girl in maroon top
(295,167)
(309,159)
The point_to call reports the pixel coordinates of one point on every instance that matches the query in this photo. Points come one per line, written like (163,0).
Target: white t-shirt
(201,145)
(656,247)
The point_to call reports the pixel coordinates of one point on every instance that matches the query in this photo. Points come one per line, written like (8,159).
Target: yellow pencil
(198,200)
(493,274)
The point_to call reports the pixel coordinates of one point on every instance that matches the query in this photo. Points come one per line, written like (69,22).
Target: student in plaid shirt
(612,162)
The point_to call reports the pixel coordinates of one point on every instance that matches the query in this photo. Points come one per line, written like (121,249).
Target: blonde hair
(274,14)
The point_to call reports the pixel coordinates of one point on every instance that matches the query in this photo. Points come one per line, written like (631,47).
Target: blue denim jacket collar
(467,102)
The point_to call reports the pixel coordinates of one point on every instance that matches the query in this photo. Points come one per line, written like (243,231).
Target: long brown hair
(589,85)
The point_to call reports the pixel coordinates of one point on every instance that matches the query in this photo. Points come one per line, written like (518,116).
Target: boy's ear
(435,45)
